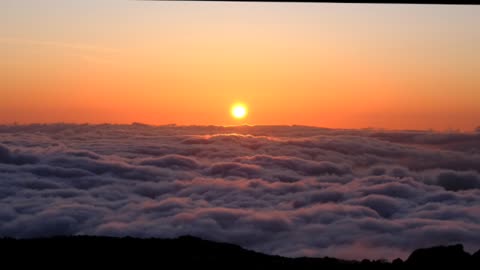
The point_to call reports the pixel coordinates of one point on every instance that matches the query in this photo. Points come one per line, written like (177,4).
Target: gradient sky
(331,65)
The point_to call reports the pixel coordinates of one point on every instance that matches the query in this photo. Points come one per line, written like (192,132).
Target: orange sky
(331,65)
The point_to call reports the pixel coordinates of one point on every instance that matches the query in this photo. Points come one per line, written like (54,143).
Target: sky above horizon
(319,64)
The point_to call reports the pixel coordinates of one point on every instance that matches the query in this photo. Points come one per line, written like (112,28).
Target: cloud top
(293,191)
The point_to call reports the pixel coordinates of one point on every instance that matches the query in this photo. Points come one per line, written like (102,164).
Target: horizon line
(456,130)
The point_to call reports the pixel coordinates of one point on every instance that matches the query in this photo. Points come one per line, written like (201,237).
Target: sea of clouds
(287,190)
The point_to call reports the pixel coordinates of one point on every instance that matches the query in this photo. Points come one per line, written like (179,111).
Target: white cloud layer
(292,191)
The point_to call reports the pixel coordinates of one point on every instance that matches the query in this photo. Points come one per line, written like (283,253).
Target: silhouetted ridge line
(451,256)
(89,251)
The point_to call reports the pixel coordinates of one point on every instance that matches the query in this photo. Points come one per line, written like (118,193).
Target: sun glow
(239,111)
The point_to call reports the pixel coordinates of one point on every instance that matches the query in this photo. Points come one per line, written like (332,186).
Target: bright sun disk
(239,111)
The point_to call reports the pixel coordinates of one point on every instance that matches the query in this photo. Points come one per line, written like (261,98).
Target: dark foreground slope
(93,252)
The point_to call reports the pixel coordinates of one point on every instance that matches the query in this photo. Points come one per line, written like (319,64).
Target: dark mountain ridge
(187,251)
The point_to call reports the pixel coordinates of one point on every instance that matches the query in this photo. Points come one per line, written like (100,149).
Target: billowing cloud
(292,191)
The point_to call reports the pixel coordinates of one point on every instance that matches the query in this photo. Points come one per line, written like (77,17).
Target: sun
(239,111)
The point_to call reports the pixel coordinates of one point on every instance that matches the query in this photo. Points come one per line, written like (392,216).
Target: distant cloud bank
(291,191)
